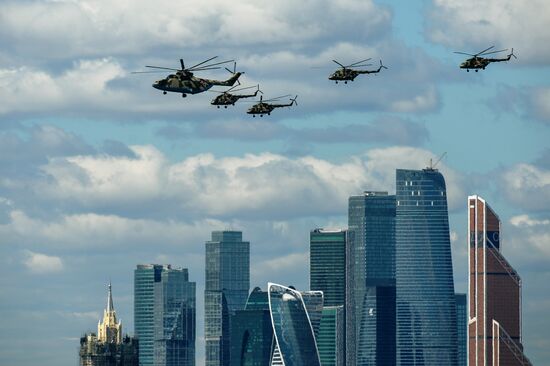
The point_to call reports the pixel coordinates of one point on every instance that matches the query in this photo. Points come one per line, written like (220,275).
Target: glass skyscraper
(327,264)
(425,302)
(227,284)
(164,315)
(330,339)
(252,332)
(370,308)
(145,277)
(175,313)
(461,328)
(294,334)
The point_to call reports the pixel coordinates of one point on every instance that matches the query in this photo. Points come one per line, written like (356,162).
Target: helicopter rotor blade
(464,53)
(382,66)
(488,53)
(162,68)
(147,72)
(485,50)
(339,63)
(361,65)
(204,68)
(182,64)
(209,65)
(276,98)
(245,88)
(201,63)
(359,62)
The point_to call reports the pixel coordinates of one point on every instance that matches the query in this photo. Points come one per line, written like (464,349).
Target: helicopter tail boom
(229,82)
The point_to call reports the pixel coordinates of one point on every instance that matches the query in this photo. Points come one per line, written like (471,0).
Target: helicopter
(184,82)
(346,73)
(225,98)
(263,107)
(476,62)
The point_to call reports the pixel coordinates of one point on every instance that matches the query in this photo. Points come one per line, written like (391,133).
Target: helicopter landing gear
(261,115)
(225,106)
(254,115)
(467,70)
(477,70)
(218,106)
(269,114)
(184,95)
(345,82)
(336,82)
(164,92)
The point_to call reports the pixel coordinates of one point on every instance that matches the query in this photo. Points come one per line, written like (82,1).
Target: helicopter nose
(156,84)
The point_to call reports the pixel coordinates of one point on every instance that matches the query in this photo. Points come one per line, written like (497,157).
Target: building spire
(110,306)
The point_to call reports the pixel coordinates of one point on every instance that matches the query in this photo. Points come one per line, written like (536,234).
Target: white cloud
(471,26)
(527,186)
(41,263)
(527,221)
(541,103)
(264,184)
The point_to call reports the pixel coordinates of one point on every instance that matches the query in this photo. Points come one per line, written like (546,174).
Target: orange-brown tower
(494,287)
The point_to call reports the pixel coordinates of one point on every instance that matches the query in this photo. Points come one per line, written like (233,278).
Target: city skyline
(99,171)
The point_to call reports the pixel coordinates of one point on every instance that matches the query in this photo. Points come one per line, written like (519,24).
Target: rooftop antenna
(433,165)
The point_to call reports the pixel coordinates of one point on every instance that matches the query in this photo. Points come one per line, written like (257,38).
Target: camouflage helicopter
(225,98)
(184,82)
(476,62)
(263,107)
(346,73)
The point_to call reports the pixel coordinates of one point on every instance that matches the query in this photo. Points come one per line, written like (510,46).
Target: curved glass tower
(294,336)
(425,302)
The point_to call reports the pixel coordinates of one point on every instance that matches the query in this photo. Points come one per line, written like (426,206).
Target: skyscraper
(327,265)
(164,315)
(227,284)
(145,277)
(174,314)
(108,347)
(425,302)
(370,309)
(330,338)
(494,286)
(252,332)
(294,335)
(461,329)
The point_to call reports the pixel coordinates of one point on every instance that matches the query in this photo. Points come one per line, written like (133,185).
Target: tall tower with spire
(109,330)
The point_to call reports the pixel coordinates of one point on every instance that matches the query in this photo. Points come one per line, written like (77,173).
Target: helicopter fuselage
(476,63)
(189,84)
(346,74)
(226,99)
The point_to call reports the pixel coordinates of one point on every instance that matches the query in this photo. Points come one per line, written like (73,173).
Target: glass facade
(425,302)
(145,277)
(327,264)
(175,312)
(251,332)
(370,309)
(330,340)
(461,328)
(227,284)
(295,341)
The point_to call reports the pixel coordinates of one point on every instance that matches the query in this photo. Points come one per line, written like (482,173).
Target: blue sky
(99,171)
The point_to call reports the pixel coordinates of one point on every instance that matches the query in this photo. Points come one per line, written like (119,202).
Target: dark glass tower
(175,313)
(251,332)
(426,309)
(330,340)
(327,264)
(145,277)
(461,328)
(294,335)
(227,284)
(370,310)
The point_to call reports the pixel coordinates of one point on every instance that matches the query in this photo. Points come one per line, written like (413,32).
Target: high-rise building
(108,347)
(252,332)
(164,315)
(494,286)
(370,303)
(174,318)
(425,302)
(145,277)
(461,329)
(295,343)
(330,338)
(327,264)
(227,284)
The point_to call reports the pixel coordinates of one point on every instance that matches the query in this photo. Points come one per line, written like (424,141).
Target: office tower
(327,265)
(370,308)
(494,326)
(461,329)
(294,337)
(108,347)
(251,332)
(227,283)
(425,302)
(174,318)
(330,339)
(145,277)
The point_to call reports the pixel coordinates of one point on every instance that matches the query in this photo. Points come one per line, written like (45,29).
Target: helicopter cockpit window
(171,76)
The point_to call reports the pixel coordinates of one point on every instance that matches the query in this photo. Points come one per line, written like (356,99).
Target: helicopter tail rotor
(382,66)
(512,54)
(294,100)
